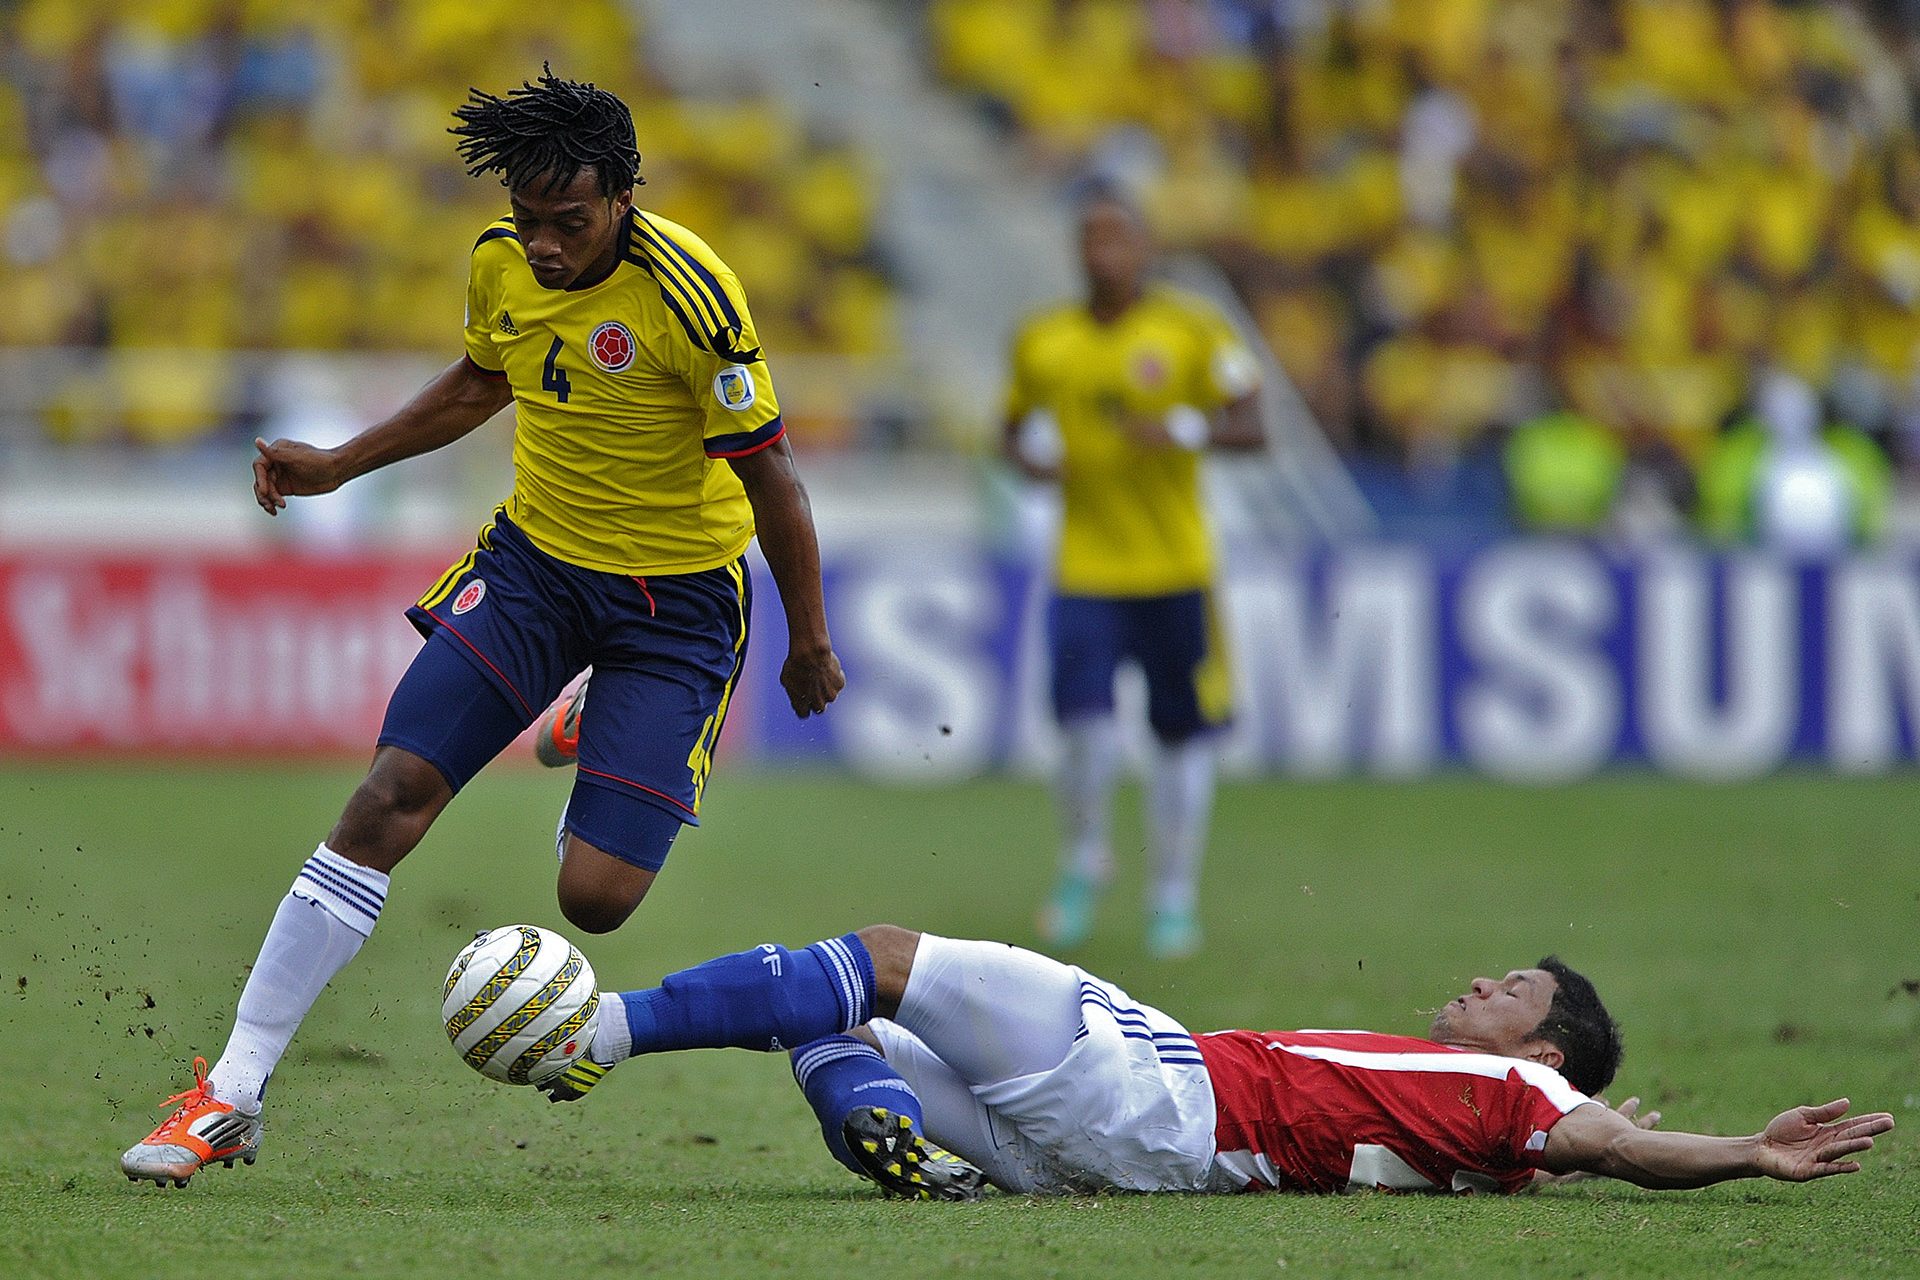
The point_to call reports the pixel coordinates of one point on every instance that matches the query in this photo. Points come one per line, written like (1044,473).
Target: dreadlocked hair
(552,129)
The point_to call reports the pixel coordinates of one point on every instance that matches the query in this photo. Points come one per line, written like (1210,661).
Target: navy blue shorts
(508,626)
(1176,641)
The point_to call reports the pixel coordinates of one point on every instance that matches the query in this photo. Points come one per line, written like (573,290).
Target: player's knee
(892,949)
(390,810)
(594,913)
(401,786)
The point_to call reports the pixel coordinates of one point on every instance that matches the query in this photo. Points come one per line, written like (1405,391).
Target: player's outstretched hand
(289,469)
(1813,1142)
(812,679)
(1630,1109)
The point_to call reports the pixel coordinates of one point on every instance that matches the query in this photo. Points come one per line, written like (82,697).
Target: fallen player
(937,1065)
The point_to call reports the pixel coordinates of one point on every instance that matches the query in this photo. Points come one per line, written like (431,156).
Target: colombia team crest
(1149,369)
(475,592)
(612,347)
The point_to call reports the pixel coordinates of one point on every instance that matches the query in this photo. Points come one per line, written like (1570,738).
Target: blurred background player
(649,447)
(1050,1080)
(1116,396)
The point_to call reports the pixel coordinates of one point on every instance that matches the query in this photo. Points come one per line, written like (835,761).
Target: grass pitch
(1757,942)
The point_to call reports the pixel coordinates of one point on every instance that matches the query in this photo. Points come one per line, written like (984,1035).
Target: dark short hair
(549,131)
(1580,1027)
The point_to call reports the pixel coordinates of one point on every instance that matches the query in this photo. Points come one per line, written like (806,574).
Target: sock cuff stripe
(863,973)
(838,1040)
(836,967)
(854,1004)
(346,891)
(862,984)
(350,914)
(364,884)
(374,882)
(812,1059)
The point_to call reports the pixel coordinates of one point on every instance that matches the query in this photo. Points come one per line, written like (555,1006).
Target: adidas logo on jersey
(506,324)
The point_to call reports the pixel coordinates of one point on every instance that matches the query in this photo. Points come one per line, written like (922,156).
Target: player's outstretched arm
(1234,428)
(1797,1146)
(784,522)
(450,406)
(1239,428)
(1628,1110)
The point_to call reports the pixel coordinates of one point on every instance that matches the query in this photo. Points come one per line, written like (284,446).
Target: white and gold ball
(520,1004)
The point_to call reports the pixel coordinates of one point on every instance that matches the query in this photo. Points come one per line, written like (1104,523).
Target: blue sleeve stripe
(671,276)
(744,442)
(693,332)
(714,291)
(690,303)
(668,271)
(497,233)
(694,273)
(675,296)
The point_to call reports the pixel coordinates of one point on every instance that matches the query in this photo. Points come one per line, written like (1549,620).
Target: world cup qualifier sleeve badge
(612,346)
(733,387)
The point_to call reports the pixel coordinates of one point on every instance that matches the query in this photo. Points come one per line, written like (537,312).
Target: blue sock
(839,1073)
(765,999)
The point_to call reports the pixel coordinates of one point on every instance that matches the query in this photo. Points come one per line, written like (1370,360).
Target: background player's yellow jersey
(630,394)
(1133,522)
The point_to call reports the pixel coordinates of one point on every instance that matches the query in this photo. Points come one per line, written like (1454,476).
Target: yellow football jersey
(630,395)
(1133,522)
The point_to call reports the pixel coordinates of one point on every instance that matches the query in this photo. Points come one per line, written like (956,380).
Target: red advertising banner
(275,653)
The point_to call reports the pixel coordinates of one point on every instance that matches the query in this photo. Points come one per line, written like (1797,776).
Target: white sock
(1179,803)
(319,927)
(1085,795)
(612,1037)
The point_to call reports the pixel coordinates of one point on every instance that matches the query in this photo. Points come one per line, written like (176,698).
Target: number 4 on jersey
(554,379)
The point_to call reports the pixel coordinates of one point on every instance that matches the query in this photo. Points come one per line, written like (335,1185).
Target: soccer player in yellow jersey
(648,451)
(1116,397)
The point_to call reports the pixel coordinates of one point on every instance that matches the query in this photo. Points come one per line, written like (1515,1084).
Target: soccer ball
(520,1004)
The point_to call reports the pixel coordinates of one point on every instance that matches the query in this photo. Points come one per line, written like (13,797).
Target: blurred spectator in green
(1784,479)
(1563,472)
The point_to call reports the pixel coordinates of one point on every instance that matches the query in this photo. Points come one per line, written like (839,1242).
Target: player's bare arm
(461,398)
(1237,428)
(1798,1145)
(783,518)
(1630,1109)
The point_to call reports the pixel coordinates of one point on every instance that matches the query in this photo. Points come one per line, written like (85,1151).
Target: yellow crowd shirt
(1133,522)
(630,394)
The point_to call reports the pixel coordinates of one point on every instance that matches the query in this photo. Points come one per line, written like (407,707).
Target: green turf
(1756,941)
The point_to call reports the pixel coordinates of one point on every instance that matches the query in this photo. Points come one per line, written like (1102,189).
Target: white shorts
(1049,1079)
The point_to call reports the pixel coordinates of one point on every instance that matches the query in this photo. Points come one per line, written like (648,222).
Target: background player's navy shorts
(1174,639)
(508,626)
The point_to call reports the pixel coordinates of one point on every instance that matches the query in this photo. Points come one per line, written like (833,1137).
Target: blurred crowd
(221,175)
(1587,232)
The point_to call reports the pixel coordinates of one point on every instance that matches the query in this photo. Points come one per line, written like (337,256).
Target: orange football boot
(201,1130)
(556,743)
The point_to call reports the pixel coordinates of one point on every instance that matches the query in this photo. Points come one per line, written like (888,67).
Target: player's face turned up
(1497,1015)
(569,231)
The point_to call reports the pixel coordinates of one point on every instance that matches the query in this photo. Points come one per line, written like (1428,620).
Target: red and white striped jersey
(1352,1110)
